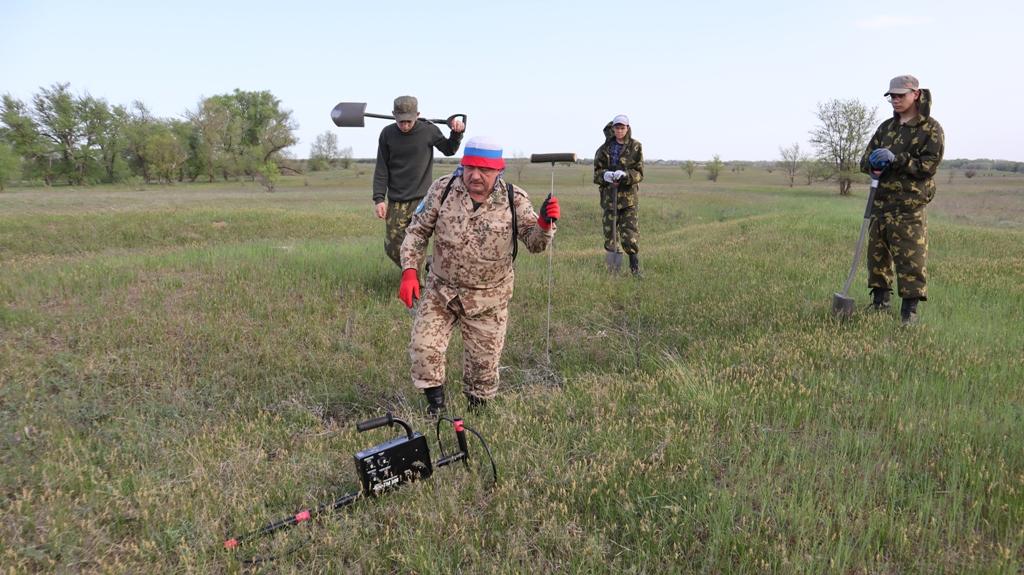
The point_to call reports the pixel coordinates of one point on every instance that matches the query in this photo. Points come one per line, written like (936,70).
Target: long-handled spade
(538,159)
(613,259)
(842,304)
(352,114)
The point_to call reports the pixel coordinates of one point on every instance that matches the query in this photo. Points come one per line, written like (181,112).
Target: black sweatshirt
(405,161)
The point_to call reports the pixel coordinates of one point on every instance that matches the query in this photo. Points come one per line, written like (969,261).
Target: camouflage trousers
(483,338)
(398,218)
(900,239)
(626,225)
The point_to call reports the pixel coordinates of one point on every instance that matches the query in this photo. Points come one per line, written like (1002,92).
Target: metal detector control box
(392,463)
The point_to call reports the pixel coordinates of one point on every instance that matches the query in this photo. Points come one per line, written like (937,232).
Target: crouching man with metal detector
(903,155)
(618,169)
(476,220)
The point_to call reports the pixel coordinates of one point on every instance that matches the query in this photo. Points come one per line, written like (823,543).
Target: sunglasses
(899,96)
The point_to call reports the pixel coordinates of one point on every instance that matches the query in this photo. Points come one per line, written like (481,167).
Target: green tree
(840,138)
(688,167)
(266,130)
(164,153)
(216,135)
(23,135)
(714,168)
(241,133)
(53,112)
(791,161)
(324,151)
(10,164)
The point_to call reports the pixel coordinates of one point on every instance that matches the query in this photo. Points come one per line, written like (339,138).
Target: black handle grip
(447,121)
(545,217)
(543,158)
(374,423)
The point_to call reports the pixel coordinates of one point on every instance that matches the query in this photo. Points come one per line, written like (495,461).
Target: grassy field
(179,364)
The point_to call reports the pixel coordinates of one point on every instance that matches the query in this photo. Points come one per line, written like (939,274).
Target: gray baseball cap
(902,85)
(405,108)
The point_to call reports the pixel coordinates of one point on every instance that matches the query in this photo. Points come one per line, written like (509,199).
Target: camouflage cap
(902,85)
(405,108)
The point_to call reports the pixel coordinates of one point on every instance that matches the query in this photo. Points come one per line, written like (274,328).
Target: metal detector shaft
(553,158)
(301,516)
(860,240)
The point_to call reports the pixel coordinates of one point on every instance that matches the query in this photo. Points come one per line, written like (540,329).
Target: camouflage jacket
(631,161)
(472,248)
(908,184)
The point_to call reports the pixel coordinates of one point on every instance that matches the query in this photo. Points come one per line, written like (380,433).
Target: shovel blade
(614,261)
(842,306)
(349,114)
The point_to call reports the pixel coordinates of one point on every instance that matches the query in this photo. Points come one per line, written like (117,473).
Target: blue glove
(881,158)
(609,176)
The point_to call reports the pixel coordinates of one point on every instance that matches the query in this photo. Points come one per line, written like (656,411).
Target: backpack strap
(511,206)
(515,222)
(447,188)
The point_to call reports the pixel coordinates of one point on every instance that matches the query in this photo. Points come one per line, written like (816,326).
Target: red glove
(409,289)
(549,212)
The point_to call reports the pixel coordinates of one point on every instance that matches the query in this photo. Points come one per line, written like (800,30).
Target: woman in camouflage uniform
(618,169)
(903,154)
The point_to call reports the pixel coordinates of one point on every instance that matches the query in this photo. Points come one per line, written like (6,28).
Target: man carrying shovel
(903,154)
(618,168)
(405,159)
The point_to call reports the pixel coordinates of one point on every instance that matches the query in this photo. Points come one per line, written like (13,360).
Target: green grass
(182,363)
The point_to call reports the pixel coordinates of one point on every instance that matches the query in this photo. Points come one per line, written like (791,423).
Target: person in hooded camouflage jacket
(618,169)
(904,154)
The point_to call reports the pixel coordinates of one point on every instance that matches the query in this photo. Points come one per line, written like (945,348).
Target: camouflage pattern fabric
(908,184)
(625,196)
(483,338)
(627,222)
(398,218)
(901,239)
(470,281)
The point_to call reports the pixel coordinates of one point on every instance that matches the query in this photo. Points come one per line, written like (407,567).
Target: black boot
(475,403)
(634,266)
(435,400)
(880,299)
(908,311)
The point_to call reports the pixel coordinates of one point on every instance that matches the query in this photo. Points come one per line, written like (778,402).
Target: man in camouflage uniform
(618,169)
(405,159)
(470,280)
(903,154)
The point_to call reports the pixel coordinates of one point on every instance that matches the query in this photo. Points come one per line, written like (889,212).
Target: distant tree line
(61,137)
(984,164)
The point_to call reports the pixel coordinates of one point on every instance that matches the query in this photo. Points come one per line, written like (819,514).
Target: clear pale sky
(734,78)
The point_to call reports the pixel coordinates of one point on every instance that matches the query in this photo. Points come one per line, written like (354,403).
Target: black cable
(487,449)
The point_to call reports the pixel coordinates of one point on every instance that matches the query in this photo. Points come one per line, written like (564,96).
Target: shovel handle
(448,121)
